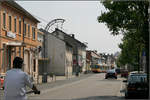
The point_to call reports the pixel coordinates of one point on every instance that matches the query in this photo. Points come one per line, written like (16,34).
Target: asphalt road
(94,87)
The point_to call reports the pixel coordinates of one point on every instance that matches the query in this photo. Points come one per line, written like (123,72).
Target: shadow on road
(107,98)
(90,98)
(101,98)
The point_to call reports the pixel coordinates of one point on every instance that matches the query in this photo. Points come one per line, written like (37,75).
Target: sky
(80,19)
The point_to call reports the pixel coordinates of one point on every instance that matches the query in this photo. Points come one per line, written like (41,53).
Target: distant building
(93,57)
(18,31)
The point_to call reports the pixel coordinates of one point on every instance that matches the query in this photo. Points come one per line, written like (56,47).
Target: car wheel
(126,96)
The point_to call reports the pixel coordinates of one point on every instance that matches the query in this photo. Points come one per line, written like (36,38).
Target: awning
(15,44)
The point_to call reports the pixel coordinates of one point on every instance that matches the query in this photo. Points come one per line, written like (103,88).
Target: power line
(41,25)
(41,18)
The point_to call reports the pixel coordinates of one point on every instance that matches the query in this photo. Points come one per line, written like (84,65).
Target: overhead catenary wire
(41,18)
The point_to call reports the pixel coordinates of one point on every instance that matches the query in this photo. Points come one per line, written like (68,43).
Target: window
(25,27)
(15,23)
(28,30)
(4,20)
(33,33)
(19,26)
(9,23)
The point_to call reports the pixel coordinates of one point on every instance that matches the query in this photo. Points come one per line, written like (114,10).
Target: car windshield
(137,78)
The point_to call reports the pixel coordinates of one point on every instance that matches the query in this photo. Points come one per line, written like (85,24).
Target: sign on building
(11,34)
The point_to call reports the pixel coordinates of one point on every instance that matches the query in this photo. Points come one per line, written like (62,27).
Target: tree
(129,18)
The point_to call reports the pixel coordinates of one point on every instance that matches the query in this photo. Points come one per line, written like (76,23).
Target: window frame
(28,30)
(10,22)
(25,29)
(20,26)
(4,20)
(15,24)
(33,32)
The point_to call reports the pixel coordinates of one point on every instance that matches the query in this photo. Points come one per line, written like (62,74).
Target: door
(26,62)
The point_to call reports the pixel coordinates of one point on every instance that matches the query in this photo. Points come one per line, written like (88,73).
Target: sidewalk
(61,80)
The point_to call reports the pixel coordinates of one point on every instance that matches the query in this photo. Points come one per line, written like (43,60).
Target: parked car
(111,74)
(137,86)
(124,73)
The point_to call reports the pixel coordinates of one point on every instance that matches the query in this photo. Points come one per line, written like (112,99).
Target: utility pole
(148,69)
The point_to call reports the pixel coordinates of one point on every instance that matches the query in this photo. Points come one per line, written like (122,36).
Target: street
(65,49)
(94,87)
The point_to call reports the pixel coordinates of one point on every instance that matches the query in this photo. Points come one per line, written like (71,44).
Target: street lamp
(148,69)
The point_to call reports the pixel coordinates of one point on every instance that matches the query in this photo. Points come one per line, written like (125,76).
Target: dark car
(118,71)
(111,74)
(124,73)
(137,86)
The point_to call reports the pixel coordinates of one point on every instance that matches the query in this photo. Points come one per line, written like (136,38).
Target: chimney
(72,35)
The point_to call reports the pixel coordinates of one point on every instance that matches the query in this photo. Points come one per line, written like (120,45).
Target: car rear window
(137,78)
(110,71)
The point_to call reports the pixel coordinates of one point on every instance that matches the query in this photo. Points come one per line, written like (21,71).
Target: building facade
(18,37)
(59,54)
(93,57)
(79,50)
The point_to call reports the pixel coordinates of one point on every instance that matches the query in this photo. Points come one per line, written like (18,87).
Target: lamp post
(148,69)
(23,40)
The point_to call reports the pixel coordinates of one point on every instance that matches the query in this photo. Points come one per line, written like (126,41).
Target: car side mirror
(124,80)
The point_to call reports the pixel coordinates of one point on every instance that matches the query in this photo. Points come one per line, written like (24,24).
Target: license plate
(139,89)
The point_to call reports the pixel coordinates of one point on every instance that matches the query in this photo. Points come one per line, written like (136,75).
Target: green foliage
(129,18)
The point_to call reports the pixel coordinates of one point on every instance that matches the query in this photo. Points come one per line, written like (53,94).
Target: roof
(136,72)
(46,32)
(21,9)
(93,52)
(70,37)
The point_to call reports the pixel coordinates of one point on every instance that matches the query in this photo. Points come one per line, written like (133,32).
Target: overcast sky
(80,19)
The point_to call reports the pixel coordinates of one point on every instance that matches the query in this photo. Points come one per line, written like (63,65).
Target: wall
(84,60)
(69,62)
(56,53)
